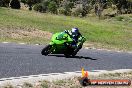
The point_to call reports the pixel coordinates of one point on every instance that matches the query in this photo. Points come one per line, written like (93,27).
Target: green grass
(109,33)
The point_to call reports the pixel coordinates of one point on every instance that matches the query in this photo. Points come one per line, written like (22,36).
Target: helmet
(75,31)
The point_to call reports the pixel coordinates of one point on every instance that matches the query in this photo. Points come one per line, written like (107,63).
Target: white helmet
(75,31)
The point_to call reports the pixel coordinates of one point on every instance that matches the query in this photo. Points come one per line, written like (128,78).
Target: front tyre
(67,55)
(76,50)
(46,50)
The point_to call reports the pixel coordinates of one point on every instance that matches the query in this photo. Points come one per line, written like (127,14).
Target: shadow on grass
(77,57)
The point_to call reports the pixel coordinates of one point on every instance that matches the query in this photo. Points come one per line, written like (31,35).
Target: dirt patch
(28,33)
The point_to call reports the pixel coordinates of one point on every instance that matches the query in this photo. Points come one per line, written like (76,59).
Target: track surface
(23,60)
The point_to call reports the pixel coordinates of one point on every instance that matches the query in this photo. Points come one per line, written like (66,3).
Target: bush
(1,3)
(67,12)
(64,11)
(66,7)
(24,1)
(77,11)
(109,12)
(15,4)
(52,7)
(61,10)
(38,7)
(4,3)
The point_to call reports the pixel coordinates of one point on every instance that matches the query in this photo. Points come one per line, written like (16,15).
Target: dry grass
(74,82)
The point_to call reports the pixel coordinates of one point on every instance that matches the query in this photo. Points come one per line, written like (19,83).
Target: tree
(38,7)
(4,3)
(1,3)
(67,6)
(30,3)
(24,1)
(15,4)
(52,7)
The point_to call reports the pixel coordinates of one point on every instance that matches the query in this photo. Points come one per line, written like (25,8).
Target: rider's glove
(66,31)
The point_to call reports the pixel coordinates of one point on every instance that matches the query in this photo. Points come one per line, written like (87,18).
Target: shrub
(4,3)
(24,1)
(1,3)
(38,7)
(77,11)
(45,4)
(61,10)
(109,11)
(67,12)
(52,7)
(15,4)
(64,11)
(30,3)
(66,7)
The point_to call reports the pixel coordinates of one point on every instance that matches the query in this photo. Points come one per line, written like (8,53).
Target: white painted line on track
(108,50)
(100,49)
(22,43)
(37,44)
(129,52)
(5,42)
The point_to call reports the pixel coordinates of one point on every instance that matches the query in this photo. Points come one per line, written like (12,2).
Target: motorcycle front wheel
(46,50)
(76,50)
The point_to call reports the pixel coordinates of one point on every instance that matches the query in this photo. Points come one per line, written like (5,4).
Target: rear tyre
(46,50)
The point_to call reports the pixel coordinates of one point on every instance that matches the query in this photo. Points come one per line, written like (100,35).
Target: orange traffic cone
(86,74)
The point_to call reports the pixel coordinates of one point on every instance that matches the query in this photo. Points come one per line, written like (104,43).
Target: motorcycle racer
(66,42)
(75,35)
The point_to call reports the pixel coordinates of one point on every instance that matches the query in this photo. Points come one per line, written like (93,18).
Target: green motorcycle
(62,43)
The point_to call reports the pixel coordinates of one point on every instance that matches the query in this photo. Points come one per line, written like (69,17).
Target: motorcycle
(62,43)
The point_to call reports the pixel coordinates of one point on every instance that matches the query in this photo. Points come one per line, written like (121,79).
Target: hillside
(33,27)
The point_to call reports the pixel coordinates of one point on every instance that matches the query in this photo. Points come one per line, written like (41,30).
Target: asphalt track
(23,60)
